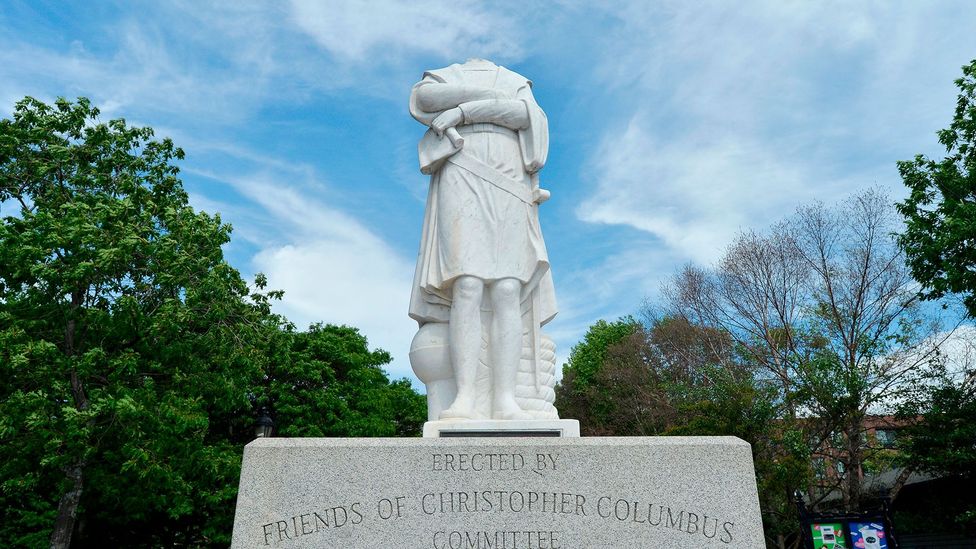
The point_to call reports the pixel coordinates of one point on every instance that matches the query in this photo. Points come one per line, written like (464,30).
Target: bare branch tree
(824,306)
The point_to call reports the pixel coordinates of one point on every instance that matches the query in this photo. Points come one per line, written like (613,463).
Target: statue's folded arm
(434,97)
(511,114)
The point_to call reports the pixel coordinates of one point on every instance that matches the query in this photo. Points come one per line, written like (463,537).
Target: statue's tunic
(473,227)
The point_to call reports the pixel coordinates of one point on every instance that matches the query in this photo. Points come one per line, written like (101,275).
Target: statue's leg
(465,344)
(505,347)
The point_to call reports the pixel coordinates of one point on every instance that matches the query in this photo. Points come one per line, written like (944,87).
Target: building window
(819,469)
(886,437)
(837,439)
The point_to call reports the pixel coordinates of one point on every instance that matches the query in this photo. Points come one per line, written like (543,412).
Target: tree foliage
(940,213)
(825,307)
(672,377)
(944,441)
(133,354)
(332,385)
(789,342)
(576,396)
(941,438)
(587,356)
(939,242)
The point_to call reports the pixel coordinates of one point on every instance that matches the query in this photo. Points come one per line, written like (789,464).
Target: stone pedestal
(491,493)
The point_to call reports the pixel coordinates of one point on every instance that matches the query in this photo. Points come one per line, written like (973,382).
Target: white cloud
(959,350)
(220,63)
(332,268)
(344,282)
(692,193)
(735,114)
(352,30)
(146,72)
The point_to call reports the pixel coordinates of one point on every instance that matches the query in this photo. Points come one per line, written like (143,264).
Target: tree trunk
(854,470)
(64,525)
(900,482)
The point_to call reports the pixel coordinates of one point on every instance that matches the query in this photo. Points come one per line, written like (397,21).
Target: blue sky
(673,124)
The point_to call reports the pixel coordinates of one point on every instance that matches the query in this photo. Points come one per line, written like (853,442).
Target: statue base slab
(447,428)
(520,492)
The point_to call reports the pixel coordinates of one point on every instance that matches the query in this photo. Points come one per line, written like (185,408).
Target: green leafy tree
(133,354)
(587,356)
(940,212)
(576,397)
(673,377)
(940,439)
(789,342)
(129,344)
(332,385)
(938,242)
(825,307)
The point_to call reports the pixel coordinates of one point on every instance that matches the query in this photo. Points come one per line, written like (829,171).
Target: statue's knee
(468,288)
(507,289)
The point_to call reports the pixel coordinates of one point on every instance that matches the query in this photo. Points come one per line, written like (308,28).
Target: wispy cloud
(352,30)
(143,74)
(693,194)
(731,129)
(331,266)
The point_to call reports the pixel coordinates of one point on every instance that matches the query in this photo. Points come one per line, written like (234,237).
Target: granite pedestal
(491,493)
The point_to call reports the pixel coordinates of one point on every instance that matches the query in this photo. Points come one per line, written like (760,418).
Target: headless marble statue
(482,289)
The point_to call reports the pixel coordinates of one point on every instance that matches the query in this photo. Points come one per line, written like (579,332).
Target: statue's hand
(447,119)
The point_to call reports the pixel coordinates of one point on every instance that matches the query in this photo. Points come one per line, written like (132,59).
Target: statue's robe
(471,226)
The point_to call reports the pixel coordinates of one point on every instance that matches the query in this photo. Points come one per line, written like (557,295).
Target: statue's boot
(461,408)
(518,414)
(509,409)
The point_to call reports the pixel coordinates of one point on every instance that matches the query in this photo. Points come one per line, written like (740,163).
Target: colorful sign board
(829,535)
(868,535)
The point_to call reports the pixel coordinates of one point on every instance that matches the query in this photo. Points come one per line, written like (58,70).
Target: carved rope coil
(539,403)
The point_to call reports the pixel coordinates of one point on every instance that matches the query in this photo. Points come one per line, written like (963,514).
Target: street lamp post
(264,426)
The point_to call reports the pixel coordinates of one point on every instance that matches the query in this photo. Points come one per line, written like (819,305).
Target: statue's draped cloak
(472,227)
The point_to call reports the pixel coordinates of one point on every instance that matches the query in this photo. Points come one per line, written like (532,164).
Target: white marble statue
(482,288)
